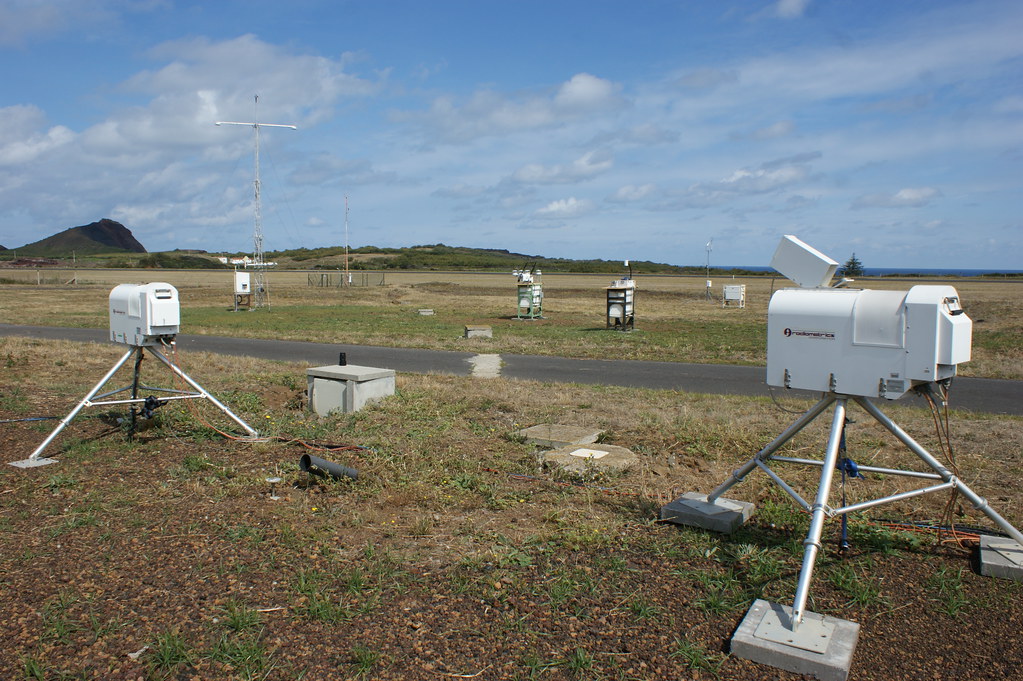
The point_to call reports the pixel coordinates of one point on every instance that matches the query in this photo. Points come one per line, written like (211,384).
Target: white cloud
(460,191)
(584,93)
(565,208)
(488,113)
(22,137)
(588,165)
(779,129)
(769,177)
(943,55)
(910,197)
(325,169)
(645,134)
(25,21)
(706,79)
(791,9)
(631,192)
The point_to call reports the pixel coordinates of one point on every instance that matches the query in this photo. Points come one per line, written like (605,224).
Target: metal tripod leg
(135,391)
(979,502)
(202,391)
(34,458)
(802,422)
(812,543)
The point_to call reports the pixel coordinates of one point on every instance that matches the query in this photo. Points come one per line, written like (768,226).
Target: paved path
(972,394)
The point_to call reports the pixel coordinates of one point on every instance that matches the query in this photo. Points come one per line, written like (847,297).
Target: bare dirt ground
(454,555)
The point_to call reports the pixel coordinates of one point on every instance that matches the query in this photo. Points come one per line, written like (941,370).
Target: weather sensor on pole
(144,317)
(259,264)
(852,345)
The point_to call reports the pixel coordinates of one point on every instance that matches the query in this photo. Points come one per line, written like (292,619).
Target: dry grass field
(674,320)
(455,554)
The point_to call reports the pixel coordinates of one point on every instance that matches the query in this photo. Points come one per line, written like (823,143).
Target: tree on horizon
(852,267)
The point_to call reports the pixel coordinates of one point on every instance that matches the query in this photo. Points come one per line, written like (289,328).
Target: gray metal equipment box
(346,388)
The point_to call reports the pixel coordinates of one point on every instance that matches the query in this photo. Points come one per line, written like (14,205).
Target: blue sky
(584,129)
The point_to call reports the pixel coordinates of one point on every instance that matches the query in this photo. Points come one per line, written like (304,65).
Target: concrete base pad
(589,459)
(692,509)
(1001,557)
(556,435)
(821,646)
(32,463)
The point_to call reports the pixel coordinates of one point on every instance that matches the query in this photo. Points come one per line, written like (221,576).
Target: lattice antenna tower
(262,294)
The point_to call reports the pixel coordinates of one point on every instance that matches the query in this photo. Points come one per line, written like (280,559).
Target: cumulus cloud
(630,193)
(140,159)
(769,177)
(910,197)
(489,113)
(565,208)
(583,93)
(588,165)
(24,135)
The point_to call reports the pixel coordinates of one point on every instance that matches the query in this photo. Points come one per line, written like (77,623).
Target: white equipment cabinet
(734,294)
(144,314)
(863,342)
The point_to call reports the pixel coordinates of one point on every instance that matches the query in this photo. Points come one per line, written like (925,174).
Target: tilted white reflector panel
(802,263)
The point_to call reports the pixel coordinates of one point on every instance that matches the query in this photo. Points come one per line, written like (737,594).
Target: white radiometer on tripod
(144,314)
(859,341)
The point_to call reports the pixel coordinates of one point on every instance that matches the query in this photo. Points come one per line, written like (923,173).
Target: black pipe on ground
(323,468)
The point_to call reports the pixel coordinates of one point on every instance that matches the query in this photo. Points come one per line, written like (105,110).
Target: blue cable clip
(847,465)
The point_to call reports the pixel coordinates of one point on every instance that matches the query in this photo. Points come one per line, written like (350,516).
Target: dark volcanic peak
(105,236)
(113,234)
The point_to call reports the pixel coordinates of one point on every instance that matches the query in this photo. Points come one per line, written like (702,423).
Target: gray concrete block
(556,435)
(346,388)
(478,331)
(425,312)
(1001,557)
(821,646)
(693,510)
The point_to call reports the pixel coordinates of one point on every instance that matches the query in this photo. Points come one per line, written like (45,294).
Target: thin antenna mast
(710,247)
(348,276)
(262,297)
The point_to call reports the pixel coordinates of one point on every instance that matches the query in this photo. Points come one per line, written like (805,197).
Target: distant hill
(105,236)
(442,257)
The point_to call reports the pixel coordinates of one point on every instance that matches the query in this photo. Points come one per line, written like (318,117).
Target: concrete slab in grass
(590,458)
(821,646)
(557,435)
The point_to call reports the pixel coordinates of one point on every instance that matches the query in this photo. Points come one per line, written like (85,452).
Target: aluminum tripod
(820,511)
(94,399)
